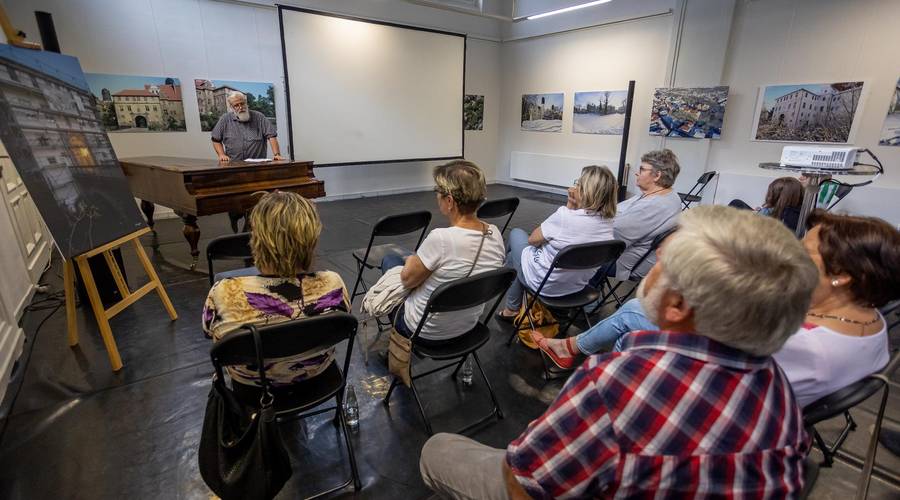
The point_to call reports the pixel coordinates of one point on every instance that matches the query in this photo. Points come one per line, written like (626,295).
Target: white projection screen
(364,92)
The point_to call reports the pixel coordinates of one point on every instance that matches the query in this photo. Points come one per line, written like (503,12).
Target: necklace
(652,192)
(862,324)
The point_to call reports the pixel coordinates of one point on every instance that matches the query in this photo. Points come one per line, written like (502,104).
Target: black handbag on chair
(241,451)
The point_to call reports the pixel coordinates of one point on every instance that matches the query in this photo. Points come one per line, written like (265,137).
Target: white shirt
(818,360)
(448,252)
(564,228)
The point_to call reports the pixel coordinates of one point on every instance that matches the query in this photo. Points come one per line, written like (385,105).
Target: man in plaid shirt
(698,409)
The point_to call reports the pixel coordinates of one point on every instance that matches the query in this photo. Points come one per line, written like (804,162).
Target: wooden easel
(102,314)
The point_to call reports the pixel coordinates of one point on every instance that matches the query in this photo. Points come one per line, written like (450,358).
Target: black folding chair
(633,277)
(494,209)
(840,402)
(694,195)
(392,225)
(455,296)
(228,247)
(842,191)
(582,256)
(290,338)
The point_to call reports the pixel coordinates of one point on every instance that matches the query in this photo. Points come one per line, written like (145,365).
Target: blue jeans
(518,241)
(612,330)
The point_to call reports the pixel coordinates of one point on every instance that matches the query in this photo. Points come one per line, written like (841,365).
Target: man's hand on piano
(278,157)
(224,158)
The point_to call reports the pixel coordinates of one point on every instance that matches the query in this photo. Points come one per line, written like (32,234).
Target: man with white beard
(694,408)
(241,133)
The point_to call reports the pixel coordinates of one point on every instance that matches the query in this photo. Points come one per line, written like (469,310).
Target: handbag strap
(484,233)
(266,398)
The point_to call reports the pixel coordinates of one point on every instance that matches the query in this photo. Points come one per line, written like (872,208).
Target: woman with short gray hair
(645,215)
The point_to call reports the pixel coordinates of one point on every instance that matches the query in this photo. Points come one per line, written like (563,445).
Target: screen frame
(287,85)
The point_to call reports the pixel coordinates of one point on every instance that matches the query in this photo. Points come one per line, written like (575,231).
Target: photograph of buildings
(138,103)
(542,112)
(601,112)
(52,130)
(694,113)
(212,99)
(818,112)
(473,112)
(890,132)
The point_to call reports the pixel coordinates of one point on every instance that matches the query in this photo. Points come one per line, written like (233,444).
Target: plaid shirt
(674,415)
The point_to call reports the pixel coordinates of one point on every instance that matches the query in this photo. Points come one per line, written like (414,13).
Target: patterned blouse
(259,300)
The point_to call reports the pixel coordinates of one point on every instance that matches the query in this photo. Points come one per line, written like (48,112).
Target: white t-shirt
(565,227)
(818,360)
(448,252)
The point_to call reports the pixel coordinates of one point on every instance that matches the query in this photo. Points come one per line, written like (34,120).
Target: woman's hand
(536,238)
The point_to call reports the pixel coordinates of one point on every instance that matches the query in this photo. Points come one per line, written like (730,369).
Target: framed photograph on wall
(599,112)
(473,112)
(890,132)
(808,112)
(130,103)
(542,112)
(691,113)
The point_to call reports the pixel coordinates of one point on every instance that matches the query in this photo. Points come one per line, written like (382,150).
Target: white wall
(809,41)
(213,39)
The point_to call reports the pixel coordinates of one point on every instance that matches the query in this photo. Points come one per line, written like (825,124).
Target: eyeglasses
(240,105)
(440,191)
(645,169)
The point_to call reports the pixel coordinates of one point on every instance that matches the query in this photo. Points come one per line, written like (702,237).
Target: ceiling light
(567,9)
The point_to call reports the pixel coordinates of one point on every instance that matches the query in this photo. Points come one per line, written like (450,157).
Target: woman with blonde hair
(587,217)
(468,247)
(286,229)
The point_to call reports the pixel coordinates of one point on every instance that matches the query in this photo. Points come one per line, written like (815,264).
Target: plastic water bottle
(351,408)
(465,374)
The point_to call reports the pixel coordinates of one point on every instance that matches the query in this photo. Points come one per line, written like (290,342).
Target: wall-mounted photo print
(138,103)
(542,112)
(600,112)
(473,112)
(693,113)
(812,112)
(890,132)
(212,99)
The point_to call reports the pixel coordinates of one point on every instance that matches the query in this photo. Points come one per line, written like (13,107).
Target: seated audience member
(672,414)
(640,218)
(468,246)
(844,339)
(286,228)
(784,197)
(587,217)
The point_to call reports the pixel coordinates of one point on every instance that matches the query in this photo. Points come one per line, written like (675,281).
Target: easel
(102,314)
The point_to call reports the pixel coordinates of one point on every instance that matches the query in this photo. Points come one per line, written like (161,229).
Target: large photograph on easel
(52,131)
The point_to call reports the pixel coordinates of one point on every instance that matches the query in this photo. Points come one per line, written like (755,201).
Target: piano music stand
(103,314)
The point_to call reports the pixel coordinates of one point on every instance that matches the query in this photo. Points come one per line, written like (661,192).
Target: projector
(826,158)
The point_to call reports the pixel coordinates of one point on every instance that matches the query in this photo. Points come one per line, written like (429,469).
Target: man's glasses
(241,105)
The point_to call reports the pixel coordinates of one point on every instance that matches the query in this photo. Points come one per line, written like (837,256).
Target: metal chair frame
(494,209)
(691,196)
(230,246)
(316,332)
(444,300)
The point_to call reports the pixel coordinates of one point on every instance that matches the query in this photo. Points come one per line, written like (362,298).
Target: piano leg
(148,208)
(192,235)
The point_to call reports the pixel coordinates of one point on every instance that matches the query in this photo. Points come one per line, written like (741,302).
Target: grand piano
(196,187)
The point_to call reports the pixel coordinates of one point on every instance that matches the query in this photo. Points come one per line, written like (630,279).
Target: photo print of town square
(819,112)
(694,113)
(890,133)
(473,112)
(542,112)
(138,103)
(600,112)
(212,99)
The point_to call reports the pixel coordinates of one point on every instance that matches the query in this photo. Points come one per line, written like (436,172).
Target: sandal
(504,318)
(565,363)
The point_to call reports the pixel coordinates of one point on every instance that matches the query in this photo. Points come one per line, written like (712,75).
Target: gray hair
(233,94)
(747,278)
(665,163)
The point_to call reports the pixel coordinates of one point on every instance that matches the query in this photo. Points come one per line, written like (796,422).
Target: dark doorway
(140,121)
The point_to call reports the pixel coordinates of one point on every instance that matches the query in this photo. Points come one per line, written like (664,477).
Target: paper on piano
(256,160)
